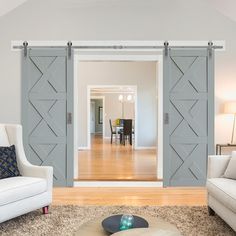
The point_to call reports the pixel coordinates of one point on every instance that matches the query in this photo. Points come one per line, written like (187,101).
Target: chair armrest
(217,165)
(26,168)
(44,172)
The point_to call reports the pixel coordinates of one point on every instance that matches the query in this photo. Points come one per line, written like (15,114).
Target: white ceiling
(225,7)
(9,5)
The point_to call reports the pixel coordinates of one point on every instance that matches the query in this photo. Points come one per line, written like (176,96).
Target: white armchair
(221,191)
(30,191)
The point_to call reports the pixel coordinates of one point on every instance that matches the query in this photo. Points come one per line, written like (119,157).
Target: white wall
(142,74)
(116,20)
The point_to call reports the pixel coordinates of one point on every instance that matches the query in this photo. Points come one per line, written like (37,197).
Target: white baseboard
(149,184)
(84,148)
(136,148)
(143,147)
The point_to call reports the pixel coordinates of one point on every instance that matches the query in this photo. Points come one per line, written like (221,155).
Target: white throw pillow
(4,142)
(230,171)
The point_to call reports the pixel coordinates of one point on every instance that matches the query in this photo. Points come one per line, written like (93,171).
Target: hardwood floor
(107,161)
(130,196)
(116,162)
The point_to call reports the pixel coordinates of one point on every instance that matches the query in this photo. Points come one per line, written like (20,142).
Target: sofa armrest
(44,172)
(26,168)
(217,165)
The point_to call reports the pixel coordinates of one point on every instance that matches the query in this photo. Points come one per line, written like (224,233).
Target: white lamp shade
(121,97)
(129,97)
(230,108)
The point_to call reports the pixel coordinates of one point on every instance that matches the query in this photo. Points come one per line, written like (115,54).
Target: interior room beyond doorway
(129,90)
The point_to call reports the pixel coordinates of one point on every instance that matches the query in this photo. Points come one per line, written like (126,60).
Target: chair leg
(111,138)
(130,139)
(45,210)
(211,212)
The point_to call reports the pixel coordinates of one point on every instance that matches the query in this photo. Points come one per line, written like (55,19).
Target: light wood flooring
(130,196)
(115,162)
(107,161)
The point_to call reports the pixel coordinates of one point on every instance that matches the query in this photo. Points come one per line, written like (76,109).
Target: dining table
(119,128)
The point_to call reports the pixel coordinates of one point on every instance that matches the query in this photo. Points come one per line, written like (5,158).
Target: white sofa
(30,191)
(221,191)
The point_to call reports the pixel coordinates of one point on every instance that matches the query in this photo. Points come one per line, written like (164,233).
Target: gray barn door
(188,115)
(47,104)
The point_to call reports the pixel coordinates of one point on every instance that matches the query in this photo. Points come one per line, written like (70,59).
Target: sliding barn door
(188,115)
(47,108)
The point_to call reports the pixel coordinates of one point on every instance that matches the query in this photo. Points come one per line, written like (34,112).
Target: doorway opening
(121,101)
(131,95)
(96,126)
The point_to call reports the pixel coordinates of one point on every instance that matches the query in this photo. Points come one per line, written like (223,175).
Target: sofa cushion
(4,142)
(8,163)
(18,188)
(230,171)
(224,190)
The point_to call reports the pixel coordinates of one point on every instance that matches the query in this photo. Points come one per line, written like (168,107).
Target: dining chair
(112,131)
(127,131)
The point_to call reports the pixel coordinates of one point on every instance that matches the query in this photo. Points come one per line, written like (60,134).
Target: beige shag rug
(65,220)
